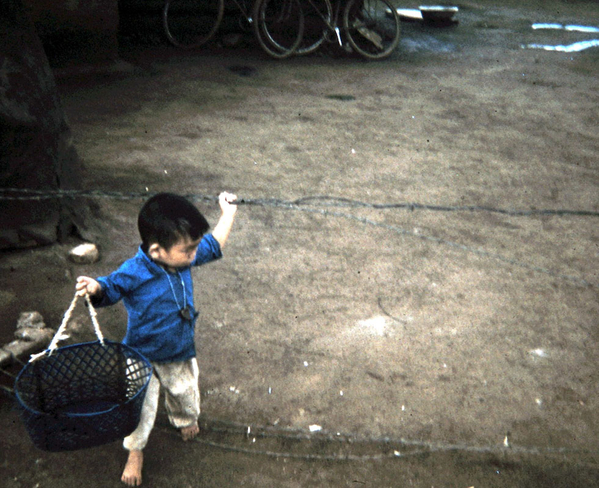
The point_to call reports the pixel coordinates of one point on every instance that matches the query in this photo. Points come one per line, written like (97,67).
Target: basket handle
(60,335)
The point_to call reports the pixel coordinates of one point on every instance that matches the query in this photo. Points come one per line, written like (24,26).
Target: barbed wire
(395,448)
(228,426)
(318,200)
(306,204)
(326,200)
(15,194)
(6,389)
(7,373)
(456,245)
(289,433)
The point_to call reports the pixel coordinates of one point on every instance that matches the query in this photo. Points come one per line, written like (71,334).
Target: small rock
(84,254)
(20,348)
(30,334)
(30,320)
(541,353)
(5,357)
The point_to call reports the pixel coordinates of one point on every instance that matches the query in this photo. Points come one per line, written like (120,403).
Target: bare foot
(190,432)
(132,472)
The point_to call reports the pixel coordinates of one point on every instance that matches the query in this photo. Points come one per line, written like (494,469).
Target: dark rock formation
(36,149)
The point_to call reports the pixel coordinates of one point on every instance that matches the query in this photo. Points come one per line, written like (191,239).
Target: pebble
(84,254)
(30,320)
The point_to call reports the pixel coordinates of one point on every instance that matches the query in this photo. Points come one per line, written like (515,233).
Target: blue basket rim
(73,346)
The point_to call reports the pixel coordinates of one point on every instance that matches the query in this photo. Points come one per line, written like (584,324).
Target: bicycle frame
(333,25)
(242,7)
(370,27)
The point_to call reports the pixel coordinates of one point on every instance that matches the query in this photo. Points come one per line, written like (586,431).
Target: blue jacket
(155,327)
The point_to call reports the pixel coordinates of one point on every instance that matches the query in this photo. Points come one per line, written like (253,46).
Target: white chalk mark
(570,27)
(570,48)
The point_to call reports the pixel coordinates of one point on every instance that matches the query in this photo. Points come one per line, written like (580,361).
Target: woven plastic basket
(83,395)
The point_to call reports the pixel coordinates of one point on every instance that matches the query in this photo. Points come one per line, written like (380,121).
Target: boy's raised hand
(225,200)
(228,209)
(87,285)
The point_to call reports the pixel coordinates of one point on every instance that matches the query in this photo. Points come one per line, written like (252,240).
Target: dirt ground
(419,340)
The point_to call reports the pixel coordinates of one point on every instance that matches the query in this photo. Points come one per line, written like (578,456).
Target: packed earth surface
(396,306)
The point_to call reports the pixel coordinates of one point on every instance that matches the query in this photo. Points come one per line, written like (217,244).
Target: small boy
(157,291)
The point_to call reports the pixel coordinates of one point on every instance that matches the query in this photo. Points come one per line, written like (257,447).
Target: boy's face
(179,255)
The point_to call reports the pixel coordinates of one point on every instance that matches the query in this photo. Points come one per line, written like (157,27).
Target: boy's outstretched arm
(225,223)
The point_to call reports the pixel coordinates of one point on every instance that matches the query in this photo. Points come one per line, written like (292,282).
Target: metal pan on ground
(408,14)
(438,14)
(431,14)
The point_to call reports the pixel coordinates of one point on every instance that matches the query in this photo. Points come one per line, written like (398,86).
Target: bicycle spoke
(279,26)
(191,23)
(373,27)
(317,15)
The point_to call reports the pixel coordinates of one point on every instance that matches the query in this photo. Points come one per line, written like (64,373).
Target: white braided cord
(60,333)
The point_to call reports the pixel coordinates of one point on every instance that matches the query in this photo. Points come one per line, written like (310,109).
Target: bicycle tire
(372,27)
(317,13)
(191,23)
(278,26)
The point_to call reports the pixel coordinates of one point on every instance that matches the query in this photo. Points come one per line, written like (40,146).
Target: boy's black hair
(166,218)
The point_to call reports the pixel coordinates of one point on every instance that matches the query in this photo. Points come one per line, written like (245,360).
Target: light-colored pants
(182,400)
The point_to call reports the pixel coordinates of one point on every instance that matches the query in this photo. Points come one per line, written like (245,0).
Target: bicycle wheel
(372,26)
(317,14)
(191,23)
(278,26)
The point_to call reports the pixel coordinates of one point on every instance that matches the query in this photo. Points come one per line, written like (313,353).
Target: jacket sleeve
(208,250)
(117,285)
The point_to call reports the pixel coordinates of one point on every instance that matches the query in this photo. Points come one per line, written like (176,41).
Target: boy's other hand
(225,200)
(87,285)
(228,208)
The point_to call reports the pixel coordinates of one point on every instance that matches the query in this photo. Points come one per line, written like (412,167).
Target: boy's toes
(190,432)
(132,472)
(131,480)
